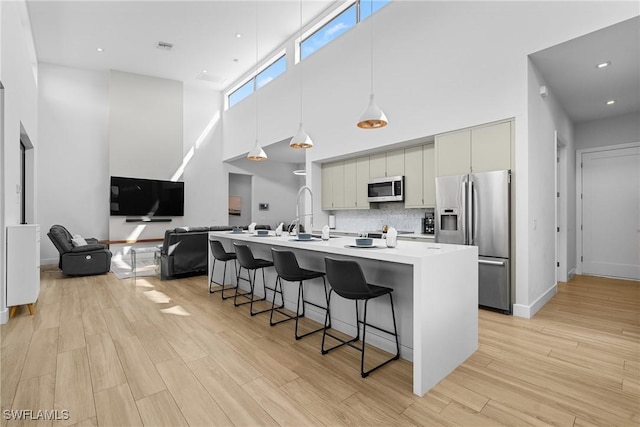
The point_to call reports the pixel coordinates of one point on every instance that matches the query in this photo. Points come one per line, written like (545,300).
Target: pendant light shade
(373,117)
(257,153)
(301,139)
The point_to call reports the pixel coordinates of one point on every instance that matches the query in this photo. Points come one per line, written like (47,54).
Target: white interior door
(611,213)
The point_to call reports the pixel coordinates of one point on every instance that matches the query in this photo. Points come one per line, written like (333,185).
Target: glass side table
(155,250)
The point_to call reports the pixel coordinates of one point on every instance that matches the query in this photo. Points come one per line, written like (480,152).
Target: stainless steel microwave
(387,189)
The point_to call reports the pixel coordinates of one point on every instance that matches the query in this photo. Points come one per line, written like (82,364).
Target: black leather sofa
(185,250)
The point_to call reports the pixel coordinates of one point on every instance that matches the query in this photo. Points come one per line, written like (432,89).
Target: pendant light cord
(255,78)
(371,23)
(300,59)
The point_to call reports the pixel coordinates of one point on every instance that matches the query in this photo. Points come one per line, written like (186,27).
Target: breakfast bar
(435,294)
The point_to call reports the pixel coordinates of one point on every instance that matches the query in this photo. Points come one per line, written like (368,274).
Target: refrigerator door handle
(469,213)
(463,217)
(498,263)
(474,215)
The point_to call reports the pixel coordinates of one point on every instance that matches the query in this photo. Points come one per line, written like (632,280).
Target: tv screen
(146,197)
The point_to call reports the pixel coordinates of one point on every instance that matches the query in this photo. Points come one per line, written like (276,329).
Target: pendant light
(373,117)
(301,139)
(256,154)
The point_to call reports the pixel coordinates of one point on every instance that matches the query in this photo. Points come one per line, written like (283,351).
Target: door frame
(579,154)
(561,205)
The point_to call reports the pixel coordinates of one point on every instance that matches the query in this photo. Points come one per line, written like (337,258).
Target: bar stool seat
(347,280)
(249,263)
(220,254)
(288,269)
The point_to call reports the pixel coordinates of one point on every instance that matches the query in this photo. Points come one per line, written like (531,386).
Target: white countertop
(406,251)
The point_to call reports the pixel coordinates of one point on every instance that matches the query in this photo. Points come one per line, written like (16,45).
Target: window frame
(282,53)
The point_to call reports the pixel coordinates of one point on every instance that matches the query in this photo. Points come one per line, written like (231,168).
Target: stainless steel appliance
(387,189)
(474,209)
(429,223)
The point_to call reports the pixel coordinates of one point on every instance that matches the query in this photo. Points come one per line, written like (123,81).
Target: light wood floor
(115,353)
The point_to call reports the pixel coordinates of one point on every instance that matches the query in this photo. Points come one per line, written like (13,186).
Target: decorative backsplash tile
(390,214)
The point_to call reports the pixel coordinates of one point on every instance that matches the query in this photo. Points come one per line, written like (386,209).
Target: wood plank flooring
(117,353)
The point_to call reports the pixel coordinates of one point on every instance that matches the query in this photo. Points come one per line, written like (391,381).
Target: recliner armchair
(85,260)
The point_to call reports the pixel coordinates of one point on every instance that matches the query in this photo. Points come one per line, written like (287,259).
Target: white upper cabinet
(390,163)
(344,184)
(480,149)
(419,177)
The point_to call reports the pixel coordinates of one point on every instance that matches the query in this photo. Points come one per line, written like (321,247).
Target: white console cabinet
(23,266)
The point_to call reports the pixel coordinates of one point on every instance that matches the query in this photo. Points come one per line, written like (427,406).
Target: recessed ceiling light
(236,60)
(100,49)
(204,71)
(603,64)
(611,102)
(238,35)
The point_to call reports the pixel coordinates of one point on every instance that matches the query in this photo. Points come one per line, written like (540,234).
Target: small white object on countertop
(325,232)
(279,229)
(252,227)
(392,237)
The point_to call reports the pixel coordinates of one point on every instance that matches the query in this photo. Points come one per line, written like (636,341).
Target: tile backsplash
(391,214)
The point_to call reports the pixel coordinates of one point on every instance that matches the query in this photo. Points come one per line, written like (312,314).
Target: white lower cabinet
(23,265)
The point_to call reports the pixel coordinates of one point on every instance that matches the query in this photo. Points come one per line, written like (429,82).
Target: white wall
(546,116)
(74,148)
(145,140)
(204,175)
(439,66)
(18,76)
(610,131)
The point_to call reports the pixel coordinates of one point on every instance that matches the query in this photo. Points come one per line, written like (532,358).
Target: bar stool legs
(249,263)
(300,302)
(347,280)
(223,286)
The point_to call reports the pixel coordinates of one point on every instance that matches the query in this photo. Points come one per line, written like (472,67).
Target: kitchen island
(435,295)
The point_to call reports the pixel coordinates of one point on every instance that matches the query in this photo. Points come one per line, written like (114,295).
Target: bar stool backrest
(218,250)
(245,256)
(346,278)
(286,264)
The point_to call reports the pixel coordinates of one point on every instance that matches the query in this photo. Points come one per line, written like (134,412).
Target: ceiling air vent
(164,46)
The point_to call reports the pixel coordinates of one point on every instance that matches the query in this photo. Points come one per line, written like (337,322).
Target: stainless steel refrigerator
(474,209)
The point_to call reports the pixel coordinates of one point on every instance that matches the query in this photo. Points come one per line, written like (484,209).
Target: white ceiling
(203,33)
(570,72)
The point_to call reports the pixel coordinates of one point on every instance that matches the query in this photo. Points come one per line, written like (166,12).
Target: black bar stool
(249,263)
(347,280)
(219,254)
(288,269)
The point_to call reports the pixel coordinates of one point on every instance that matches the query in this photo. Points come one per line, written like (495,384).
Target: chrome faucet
(297,228)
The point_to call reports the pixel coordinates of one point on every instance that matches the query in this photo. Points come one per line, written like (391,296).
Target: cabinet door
(338,184)
(491,147)
(453,153)
(413,177)
(362,179)
(23,262)
(377,165)
(428,175)
(395,163)
(350,184)
(327,187)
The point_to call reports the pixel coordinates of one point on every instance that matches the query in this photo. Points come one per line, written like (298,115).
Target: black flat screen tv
(146,197)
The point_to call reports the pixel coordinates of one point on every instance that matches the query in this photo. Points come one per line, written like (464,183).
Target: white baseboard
(49,261)
(4,316)
(570,274)
(528,311)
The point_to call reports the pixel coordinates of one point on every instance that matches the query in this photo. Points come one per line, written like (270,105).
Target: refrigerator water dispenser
(449,219)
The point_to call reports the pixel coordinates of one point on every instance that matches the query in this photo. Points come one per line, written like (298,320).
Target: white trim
(528,311)
(579,154)
(321,23)
(561,209)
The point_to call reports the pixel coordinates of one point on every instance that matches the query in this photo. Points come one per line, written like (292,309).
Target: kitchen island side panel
(445,315)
